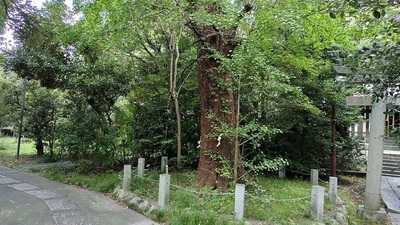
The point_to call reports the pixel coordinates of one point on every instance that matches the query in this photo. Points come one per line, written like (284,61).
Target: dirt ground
(11,161)
(354,186)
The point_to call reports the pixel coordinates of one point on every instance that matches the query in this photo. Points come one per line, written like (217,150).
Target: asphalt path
(390,190)
(28,199)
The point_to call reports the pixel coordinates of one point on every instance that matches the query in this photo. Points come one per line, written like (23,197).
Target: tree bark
(216,107)
(39,147)
(174,48)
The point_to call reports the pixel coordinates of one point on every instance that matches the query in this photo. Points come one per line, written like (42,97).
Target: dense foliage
(121,80)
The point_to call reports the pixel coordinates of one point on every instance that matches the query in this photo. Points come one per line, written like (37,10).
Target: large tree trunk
(216,106)
(39,147)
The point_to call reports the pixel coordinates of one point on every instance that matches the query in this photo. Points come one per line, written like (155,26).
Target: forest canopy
(231,88)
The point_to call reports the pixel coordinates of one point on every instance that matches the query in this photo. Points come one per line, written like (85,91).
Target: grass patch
(351,191)
(287,200)
(206,217)
(8,146)
(277,201)
(8,152)
(281,201)
(274,201)
(101,182)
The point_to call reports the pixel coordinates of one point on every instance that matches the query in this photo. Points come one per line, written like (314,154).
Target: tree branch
(5,8)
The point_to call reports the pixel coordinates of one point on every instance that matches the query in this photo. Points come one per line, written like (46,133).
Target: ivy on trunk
(217,103)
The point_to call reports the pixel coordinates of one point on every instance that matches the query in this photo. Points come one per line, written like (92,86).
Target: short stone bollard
(126,185)
(282,172)
(314,177)
(141,163)
(163,191)
(317,203)
(333,190)
(164,163)
(239,201)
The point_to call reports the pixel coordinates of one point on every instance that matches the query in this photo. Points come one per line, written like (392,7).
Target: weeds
(281,201)
(101,182)
(276,201)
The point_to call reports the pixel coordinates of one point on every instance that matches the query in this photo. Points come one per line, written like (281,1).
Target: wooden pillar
(367,116)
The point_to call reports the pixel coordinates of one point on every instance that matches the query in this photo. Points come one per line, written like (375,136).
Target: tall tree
(126,47)
(217,39)
(41,117)
(145,56)
(10,98)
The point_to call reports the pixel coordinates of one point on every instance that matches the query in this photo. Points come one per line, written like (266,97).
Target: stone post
(372,202)
(314,177)
(141,163)
(163,191)
(282,172)
(126,185)
(317,203)
(333,190)
(239,201)
(164,163)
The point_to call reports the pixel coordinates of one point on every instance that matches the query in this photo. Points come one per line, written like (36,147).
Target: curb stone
(149,207)
(339,217)
(135,201)
(131,198)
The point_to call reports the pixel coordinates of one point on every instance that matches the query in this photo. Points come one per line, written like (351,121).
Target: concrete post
(317,203)
(164,163)
(163,191)
(126,185)
(333,190)
(314,177)
(141,163)
(282,172)
(239,201)
(372,207)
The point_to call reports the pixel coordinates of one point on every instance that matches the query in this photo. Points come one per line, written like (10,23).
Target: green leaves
(265,164)
(120,50)
(380,62)
(40,117)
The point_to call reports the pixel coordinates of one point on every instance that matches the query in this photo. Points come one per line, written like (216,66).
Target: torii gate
(371,209)
(372,201)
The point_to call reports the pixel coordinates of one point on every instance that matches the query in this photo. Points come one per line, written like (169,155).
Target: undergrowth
(280,201)
(102,182)
(276,201)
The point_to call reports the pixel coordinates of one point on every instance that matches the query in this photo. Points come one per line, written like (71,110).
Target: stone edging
(337,215)
(132,199)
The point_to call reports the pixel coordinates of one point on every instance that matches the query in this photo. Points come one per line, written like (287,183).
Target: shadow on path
(30,199)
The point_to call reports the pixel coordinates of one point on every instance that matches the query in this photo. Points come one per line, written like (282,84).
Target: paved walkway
(390,190)
(30,199)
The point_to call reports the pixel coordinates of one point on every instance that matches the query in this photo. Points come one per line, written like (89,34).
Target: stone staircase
(391,158)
